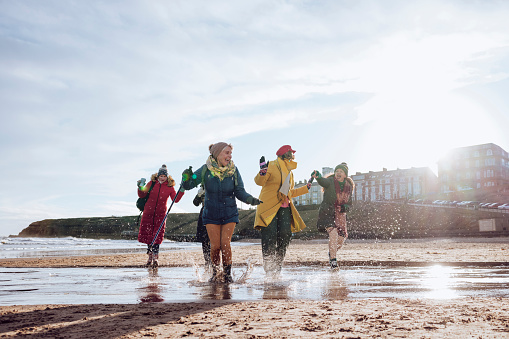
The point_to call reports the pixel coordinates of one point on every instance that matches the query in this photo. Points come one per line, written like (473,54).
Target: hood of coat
(170,181)
(350,180)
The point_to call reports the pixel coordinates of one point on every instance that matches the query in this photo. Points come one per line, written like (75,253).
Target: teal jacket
(219,205)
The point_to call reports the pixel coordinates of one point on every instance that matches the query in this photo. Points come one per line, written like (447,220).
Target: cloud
(96,94)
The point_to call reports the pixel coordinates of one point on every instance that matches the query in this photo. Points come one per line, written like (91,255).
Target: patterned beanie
(163,171)
(216,148)
(343,166)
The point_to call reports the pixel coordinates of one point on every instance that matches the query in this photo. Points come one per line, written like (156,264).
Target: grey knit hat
(163,170)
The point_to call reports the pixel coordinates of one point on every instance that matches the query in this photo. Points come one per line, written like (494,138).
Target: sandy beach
(279,318)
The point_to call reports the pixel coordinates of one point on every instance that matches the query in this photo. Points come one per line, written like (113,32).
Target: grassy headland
(366,220)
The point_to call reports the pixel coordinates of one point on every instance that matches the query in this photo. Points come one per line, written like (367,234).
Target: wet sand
(364,318)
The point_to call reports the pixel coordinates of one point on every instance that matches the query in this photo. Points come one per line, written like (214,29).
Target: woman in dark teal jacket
(222,183)
(337,199)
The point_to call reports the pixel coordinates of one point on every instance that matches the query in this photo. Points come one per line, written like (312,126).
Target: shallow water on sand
(184,284)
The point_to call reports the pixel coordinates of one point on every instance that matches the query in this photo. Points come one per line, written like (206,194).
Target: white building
(395,184)
(315,195)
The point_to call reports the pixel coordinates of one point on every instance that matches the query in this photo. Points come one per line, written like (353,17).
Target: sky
(95,95)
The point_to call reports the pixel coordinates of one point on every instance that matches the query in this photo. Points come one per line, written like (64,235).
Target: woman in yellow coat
(277,218)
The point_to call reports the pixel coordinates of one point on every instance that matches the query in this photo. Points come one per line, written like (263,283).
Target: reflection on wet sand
(215,291)
(275,290)
(439,280)
(152,292)
(335,287)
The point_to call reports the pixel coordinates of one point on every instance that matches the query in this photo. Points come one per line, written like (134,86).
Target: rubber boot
(228,273)
(149,261)
(155,263)
(333,264)
(271,267)
(216,274)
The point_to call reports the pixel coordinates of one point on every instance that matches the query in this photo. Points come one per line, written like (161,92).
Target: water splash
(246,274)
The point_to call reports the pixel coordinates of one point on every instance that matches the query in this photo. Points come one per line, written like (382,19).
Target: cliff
(365,221)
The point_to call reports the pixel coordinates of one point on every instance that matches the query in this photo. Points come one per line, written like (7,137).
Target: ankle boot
(149,261)
(215,273)
(333,263)
(155,262)
(228,273)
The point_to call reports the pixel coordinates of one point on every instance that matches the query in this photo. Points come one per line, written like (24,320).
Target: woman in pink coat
(155,211)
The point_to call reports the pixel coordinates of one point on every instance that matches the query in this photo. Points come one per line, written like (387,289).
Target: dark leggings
(153,249)
(277,235)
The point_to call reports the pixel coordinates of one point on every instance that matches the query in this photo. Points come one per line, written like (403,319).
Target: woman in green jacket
(337,199)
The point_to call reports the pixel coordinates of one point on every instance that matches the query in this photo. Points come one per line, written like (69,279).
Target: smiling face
(340,175)
(223,159)
(162,178)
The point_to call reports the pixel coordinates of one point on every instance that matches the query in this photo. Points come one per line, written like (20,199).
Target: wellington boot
(155,262)
(228,273)
(150,258)
(216,274)
(334,264)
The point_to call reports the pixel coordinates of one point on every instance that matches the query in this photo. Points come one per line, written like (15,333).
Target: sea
(16,247)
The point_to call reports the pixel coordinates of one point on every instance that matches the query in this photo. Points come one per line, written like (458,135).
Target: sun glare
(418,131)
(438,279)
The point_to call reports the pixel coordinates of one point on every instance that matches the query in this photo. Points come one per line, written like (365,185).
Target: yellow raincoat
(272,199)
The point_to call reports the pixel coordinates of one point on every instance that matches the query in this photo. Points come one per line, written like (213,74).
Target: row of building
(479,167)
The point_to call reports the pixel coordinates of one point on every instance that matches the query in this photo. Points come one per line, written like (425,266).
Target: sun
(419,131)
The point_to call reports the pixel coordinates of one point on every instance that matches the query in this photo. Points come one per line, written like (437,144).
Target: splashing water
(203,273)
(246,274)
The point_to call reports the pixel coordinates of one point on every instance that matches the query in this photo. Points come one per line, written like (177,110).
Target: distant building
(315,195)
(327,170)
(383,185)
(483,166)
(394,184)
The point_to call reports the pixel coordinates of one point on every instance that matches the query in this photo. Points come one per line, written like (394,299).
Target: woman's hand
(187,174)
(141,182)
(253,201)
(263,166)
(315,174)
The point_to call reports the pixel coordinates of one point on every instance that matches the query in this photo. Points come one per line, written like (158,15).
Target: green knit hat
(343,166)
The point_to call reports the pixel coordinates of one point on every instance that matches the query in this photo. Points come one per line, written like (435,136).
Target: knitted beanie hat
(215,149)
(163,171)
(343,166)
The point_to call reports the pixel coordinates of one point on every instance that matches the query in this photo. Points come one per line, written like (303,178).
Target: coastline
(461,251)
(279,318)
